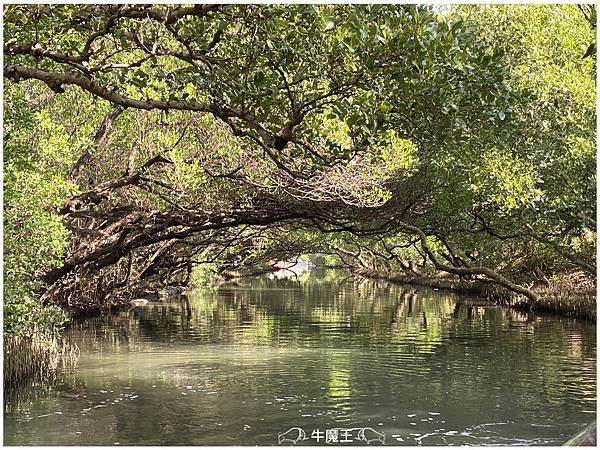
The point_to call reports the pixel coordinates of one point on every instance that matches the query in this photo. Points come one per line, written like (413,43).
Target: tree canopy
(144,140)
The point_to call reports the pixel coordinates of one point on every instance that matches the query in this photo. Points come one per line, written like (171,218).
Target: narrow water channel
(244,363)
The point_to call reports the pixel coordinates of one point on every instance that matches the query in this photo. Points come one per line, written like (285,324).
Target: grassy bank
(569,295)
(35,357)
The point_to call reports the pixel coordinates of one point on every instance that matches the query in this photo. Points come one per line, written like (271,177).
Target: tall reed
(37,356)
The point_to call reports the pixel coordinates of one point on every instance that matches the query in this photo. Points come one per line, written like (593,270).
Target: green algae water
(245,363)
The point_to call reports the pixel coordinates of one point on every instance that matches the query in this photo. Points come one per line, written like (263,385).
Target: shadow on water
(246,362)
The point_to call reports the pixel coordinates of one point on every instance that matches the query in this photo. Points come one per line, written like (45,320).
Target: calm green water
(244,363)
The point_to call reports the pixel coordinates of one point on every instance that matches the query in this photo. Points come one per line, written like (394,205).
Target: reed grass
(36,357)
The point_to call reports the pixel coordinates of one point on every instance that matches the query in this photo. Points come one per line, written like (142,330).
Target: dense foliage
(142,141)
(34,237)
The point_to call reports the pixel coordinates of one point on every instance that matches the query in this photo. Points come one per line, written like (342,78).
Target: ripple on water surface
(242,364)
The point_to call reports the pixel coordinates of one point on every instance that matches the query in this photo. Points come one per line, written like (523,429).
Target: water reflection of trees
(346,313)
(344,341)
